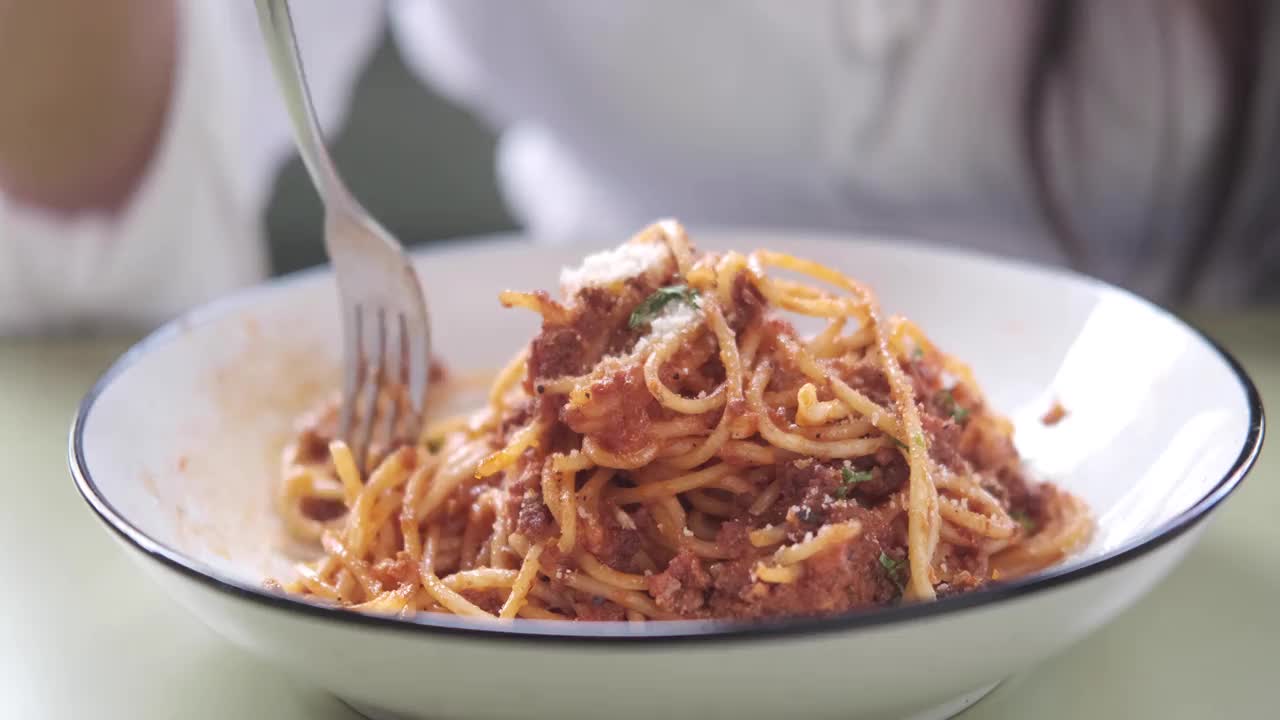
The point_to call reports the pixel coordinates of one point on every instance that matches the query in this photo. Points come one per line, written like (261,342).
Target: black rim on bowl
(658,631)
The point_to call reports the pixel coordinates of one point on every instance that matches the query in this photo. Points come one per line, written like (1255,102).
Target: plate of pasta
(731,472)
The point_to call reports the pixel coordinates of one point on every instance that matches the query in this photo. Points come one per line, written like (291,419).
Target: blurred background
(1134,141)
(423,167)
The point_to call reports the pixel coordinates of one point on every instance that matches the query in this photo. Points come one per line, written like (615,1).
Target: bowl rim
(654,632)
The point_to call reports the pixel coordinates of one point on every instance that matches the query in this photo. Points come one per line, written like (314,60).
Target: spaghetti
(669,447)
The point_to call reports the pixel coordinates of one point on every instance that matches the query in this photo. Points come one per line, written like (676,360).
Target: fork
(384,313)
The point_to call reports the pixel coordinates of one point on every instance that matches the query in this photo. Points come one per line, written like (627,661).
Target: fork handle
(286,60)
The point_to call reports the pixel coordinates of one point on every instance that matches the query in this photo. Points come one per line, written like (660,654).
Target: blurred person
(1131,139)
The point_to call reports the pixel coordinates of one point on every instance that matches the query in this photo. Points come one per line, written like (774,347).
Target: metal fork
(384,313)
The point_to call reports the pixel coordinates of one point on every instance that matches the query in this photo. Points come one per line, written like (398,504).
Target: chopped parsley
(848,478)
(851,476)
(947,402)
(646,311)
(893,569)
(918,353)
(898,442)
(1024,520)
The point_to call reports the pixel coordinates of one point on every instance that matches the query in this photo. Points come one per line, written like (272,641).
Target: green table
(86,635)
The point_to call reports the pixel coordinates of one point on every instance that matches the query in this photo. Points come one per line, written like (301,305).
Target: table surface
(85,635)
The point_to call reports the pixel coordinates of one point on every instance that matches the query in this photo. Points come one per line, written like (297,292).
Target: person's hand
(84,88)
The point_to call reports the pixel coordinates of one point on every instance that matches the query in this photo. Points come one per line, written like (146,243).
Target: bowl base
(948,709)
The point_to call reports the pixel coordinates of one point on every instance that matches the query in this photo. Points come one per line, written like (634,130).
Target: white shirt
(863,115)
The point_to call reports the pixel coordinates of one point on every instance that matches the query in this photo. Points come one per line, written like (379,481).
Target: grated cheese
(675,317)
(610,266)
(624,520)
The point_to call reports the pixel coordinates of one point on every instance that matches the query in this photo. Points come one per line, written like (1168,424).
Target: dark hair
(1236,28)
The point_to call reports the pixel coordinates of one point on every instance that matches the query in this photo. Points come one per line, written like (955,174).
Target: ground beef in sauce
(625,426)
(489,600)
(889,474)
(556,352)
(733,538)
(865,376)
(534,520)
(322,510)
(1054,415)
(604,537)
(681,588)
(396,572)
(845,577)
(597,327)
(809,487)
(944,441)
(748,305)
(599,610)
(524,503)
(985,450)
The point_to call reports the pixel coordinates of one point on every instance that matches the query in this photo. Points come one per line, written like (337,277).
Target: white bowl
(176,449)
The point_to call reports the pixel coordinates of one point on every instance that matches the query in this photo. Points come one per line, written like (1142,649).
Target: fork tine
(352,367)
(394,375)
(417,336)
(373,374)
(419,369)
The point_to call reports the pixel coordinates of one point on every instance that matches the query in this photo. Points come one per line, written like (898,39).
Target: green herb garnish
(851,476)
(947,402)
(918,353)
(1024,520)
(646,311)
(898,442)
(893,568)
(918,439)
